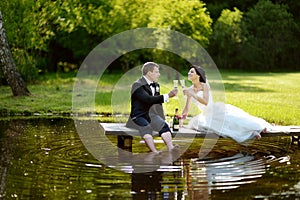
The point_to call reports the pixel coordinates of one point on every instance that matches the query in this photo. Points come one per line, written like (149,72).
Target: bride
(224,119)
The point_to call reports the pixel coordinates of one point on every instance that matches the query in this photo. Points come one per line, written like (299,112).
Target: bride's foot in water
(263,131)
(258,136)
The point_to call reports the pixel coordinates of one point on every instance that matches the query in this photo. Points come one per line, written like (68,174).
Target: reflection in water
(8,147)
(45,159)
(220,174)
(146,185)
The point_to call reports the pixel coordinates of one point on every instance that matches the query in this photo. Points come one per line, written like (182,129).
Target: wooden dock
(121,129)
(125,135)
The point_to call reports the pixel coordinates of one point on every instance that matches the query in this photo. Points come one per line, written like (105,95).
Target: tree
(27,33)
(226,39)
(10,71)
(188,17)
(270,41)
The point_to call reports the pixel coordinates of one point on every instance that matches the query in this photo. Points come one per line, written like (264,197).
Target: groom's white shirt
(166,96)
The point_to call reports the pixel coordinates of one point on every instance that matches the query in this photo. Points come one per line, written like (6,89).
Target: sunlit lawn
(272,96)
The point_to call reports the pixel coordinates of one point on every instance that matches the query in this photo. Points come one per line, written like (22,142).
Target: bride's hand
(188,91)
(184,91)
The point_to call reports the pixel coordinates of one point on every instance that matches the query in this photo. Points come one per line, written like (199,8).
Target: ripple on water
(226,173)
(230,172)
(51,162)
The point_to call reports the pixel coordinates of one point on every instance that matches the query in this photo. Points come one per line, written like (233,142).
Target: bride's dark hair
(200,72)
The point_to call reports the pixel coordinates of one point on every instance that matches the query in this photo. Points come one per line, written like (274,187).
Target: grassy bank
(51,94)
(272,96)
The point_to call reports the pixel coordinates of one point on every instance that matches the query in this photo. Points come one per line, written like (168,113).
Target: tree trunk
(10,71)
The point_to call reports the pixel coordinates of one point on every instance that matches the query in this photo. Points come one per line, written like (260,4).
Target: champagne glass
(182,83)
(175,82)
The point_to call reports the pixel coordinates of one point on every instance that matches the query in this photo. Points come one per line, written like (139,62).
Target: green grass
(272,96)
(51,95)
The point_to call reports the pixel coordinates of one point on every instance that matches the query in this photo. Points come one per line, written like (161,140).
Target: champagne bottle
(176,121)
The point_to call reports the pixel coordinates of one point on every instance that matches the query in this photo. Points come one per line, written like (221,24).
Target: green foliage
(43,30)
(270,41)
(27,24)
(26,64)
(227,38)
(188,17)
(57,35)
(262,38)
(27,32)
(78,27)
(216,8)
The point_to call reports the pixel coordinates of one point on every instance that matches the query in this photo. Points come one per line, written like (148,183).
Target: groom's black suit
(145,105)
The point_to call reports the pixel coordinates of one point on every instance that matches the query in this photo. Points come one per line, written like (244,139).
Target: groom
(147,113)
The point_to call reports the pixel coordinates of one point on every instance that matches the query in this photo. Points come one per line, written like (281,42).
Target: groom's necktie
(152,86)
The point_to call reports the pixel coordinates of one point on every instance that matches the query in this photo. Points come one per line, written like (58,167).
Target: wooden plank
(283,131)
(118,129)
(121,129)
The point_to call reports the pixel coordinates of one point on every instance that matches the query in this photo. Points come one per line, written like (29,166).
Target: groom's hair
(200,73)
(149,67)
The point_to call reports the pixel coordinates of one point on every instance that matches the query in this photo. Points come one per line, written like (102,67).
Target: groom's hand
(173,93)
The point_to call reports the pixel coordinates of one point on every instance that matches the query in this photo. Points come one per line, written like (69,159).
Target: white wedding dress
(227,121)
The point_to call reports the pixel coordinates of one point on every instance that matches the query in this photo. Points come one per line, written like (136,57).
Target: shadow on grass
(235,87)
(238,87)
(237,81)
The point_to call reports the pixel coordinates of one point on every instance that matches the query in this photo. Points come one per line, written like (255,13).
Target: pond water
(46,159)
